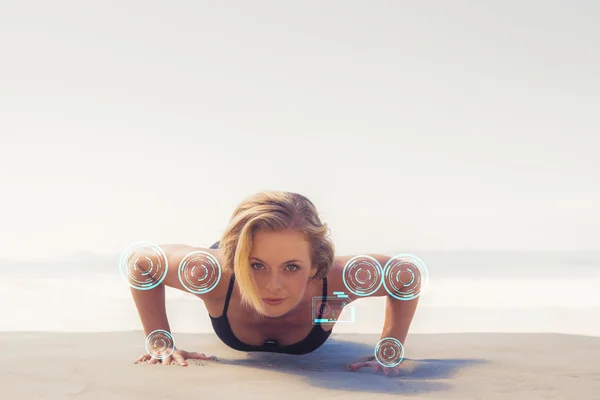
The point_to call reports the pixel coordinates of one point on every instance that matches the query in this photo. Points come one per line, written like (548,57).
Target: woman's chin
(275,313)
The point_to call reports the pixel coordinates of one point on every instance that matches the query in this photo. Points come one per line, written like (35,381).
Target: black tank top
(313,341)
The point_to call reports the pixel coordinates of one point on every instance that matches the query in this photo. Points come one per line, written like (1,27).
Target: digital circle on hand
(154,259)
(389,352)
(362,275)
(395,272)
(160,344)
(199,272)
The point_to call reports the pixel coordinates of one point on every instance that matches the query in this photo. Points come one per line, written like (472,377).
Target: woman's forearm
(398,317)
(151,308)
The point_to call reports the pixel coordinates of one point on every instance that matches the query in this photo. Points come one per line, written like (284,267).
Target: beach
(461,136)
(43,365)
(490,326)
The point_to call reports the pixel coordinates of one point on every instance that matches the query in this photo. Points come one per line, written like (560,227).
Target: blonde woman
(275,257)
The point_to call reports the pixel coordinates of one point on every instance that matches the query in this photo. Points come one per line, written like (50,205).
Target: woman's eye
(294,266)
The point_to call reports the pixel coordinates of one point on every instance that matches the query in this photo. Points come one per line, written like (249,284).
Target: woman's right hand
(177,357)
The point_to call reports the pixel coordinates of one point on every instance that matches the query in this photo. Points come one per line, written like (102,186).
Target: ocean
(468,291)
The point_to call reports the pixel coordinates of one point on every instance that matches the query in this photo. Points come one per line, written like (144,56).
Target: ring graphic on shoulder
(199,272)
(362,275)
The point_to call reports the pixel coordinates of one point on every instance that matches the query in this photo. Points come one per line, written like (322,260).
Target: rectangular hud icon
(331,310)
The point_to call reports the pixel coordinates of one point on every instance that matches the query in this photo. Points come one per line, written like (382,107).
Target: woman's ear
(313,272)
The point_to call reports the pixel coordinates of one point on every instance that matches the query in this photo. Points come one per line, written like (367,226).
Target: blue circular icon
(160,344)
(143,265)
(362,275)
(199,272)
(405,277)
(389,352)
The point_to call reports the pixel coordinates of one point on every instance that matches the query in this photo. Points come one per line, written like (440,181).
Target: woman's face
(280,263)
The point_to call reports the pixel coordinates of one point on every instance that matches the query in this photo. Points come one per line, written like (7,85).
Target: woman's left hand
(376,366)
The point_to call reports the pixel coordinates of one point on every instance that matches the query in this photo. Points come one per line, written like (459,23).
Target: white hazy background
(466,133)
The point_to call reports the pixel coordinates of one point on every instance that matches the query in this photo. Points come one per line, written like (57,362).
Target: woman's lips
(273,301)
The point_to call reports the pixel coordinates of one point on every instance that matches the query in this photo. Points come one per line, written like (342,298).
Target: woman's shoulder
(199,270)
(337,282)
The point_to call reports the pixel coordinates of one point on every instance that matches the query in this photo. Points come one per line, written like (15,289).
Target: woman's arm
(398,317)
(178,265)
(398,313)
(150,303)
(151,307)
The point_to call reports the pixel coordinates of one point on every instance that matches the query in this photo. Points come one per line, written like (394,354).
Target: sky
(411,125)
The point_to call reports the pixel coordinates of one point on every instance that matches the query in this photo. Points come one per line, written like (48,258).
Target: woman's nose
(274,282)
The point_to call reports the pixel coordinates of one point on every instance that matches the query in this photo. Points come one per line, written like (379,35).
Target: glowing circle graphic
(160,344)
(199,272)
(405,277)
(389,352)
(143,265)
(362,275)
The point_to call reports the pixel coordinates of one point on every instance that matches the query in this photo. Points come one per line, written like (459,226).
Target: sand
(438,366)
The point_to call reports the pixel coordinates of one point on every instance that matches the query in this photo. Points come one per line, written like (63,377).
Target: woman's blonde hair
(272,211)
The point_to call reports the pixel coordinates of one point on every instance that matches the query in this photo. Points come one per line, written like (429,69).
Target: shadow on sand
(326,367)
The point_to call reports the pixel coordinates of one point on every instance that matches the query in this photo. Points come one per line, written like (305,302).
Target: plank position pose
(274,257)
